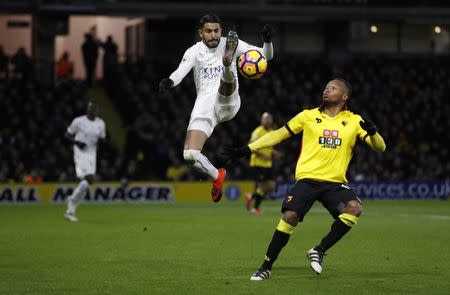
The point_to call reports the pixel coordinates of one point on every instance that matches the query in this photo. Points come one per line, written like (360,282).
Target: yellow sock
(348,219)
(285,227)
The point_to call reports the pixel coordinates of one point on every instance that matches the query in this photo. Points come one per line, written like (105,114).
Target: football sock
(339,228)
(201,163)
(77,195)
(204,164)
(228,75)
(279,240)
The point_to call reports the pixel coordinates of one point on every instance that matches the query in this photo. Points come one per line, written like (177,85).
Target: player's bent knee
(84,184)
(191,155)
(351,213)
(353,207)
(290,217)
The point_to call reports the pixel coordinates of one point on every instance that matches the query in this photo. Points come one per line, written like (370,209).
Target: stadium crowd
(404,96)
(33,123)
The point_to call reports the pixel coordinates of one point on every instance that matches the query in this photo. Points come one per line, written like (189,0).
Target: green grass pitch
(399,247)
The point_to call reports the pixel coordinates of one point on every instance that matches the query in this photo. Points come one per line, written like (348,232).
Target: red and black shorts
(333,196)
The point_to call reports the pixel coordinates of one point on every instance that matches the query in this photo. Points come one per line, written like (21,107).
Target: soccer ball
(252,64)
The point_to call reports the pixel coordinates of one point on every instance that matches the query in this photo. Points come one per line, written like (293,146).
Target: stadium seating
(33,124)
(403,95)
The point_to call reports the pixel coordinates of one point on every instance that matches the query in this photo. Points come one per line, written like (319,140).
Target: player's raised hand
(81,145)
(267,33)
(230,153)
(165,85)
(369,126)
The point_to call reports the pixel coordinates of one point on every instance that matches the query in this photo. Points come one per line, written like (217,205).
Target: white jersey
(207,65)
(88,132)
(210,107)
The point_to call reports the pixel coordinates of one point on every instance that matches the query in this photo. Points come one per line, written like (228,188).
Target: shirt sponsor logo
(330,139)
(211,72)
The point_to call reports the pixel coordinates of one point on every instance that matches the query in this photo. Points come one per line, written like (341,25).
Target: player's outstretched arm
(266,35)
(373,138)
(270,139)
(186,64)
(266,50)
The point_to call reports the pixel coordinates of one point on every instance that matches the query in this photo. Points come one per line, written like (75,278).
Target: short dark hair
(209,18)
(347,85)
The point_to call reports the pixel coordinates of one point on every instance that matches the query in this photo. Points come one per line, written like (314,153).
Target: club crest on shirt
(289,198)
(344,123)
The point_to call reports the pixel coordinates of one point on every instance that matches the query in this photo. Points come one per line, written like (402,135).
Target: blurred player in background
(261,165)
(329,136)
(84,133)
(214,65)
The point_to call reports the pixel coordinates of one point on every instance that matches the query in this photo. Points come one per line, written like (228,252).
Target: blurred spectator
(22,65)
(33,177)
(4,173)
(177,170)
(110,58)
(4,59)
(405,96)
(130,171)
(89,49)
(141,142)
(64,67)
(399,93)
(33,118)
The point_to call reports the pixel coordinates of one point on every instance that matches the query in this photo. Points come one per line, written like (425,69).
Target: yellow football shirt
(256,161)
(327,144)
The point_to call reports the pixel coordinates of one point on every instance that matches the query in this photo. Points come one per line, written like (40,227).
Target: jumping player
(214,65)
